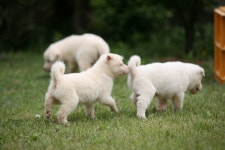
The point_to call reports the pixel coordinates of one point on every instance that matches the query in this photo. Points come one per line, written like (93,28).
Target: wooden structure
(219,44)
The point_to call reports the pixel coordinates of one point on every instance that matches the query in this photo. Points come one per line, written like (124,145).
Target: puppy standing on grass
(86,87)
(164,80)
(82,50)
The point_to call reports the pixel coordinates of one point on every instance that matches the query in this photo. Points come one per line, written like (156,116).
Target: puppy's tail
(133,63)
(57,70)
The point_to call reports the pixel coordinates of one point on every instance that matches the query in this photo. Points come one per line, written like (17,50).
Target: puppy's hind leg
(142,104)
(143,101)
(178,101)
(49,100)
(89,109)
(68,105)
(109,101)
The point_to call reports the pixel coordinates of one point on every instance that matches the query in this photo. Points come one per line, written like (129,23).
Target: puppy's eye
(121,64)
(48,61)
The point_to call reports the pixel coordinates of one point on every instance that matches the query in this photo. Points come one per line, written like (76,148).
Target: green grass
(23,83)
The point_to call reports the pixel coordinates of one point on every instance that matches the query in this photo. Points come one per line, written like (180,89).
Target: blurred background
(149,28)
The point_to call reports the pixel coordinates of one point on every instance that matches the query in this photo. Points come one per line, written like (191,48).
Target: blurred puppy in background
(82,50)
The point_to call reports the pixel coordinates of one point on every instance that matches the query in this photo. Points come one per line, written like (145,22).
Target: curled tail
(57,70)
(133,63)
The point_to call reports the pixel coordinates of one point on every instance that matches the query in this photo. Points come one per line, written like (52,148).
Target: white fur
(88,87)
(82,50)
(166,81)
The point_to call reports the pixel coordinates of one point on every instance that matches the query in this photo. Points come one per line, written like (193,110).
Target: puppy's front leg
(178,101)
(89,109)
(109,101)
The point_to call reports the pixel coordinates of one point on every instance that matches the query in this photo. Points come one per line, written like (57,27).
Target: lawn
(23,83)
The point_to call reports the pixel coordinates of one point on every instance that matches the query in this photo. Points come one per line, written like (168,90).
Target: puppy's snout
(46,69)
(127,69)
(199,88)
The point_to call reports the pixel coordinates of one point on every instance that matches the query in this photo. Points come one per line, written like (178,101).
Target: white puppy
(164,80)
(88,87)
(82,50)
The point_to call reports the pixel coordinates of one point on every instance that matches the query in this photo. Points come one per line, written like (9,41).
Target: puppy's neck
(103,70)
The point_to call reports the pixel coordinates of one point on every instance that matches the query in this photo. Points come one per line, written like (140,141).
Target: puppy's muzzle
(126,69)
(195,90)
(46,69)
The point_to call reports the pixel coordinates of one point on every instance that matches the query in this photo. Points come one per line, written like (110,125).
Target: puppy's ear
(109,58)
(202,73)
(55,57)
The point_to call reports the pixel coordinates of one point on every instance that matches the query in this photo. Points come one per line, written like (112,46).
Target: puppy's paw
(114,109)
(141,117)
(91,116)
(47,114)
(65,123)
(177,109)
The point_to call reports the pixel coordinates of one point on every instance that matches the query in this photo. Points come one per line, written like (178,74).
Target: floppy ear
(202,73)
(55,56)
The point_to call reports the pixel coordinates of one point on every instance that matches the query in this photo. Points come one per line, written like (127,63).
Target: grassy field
(23,83)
